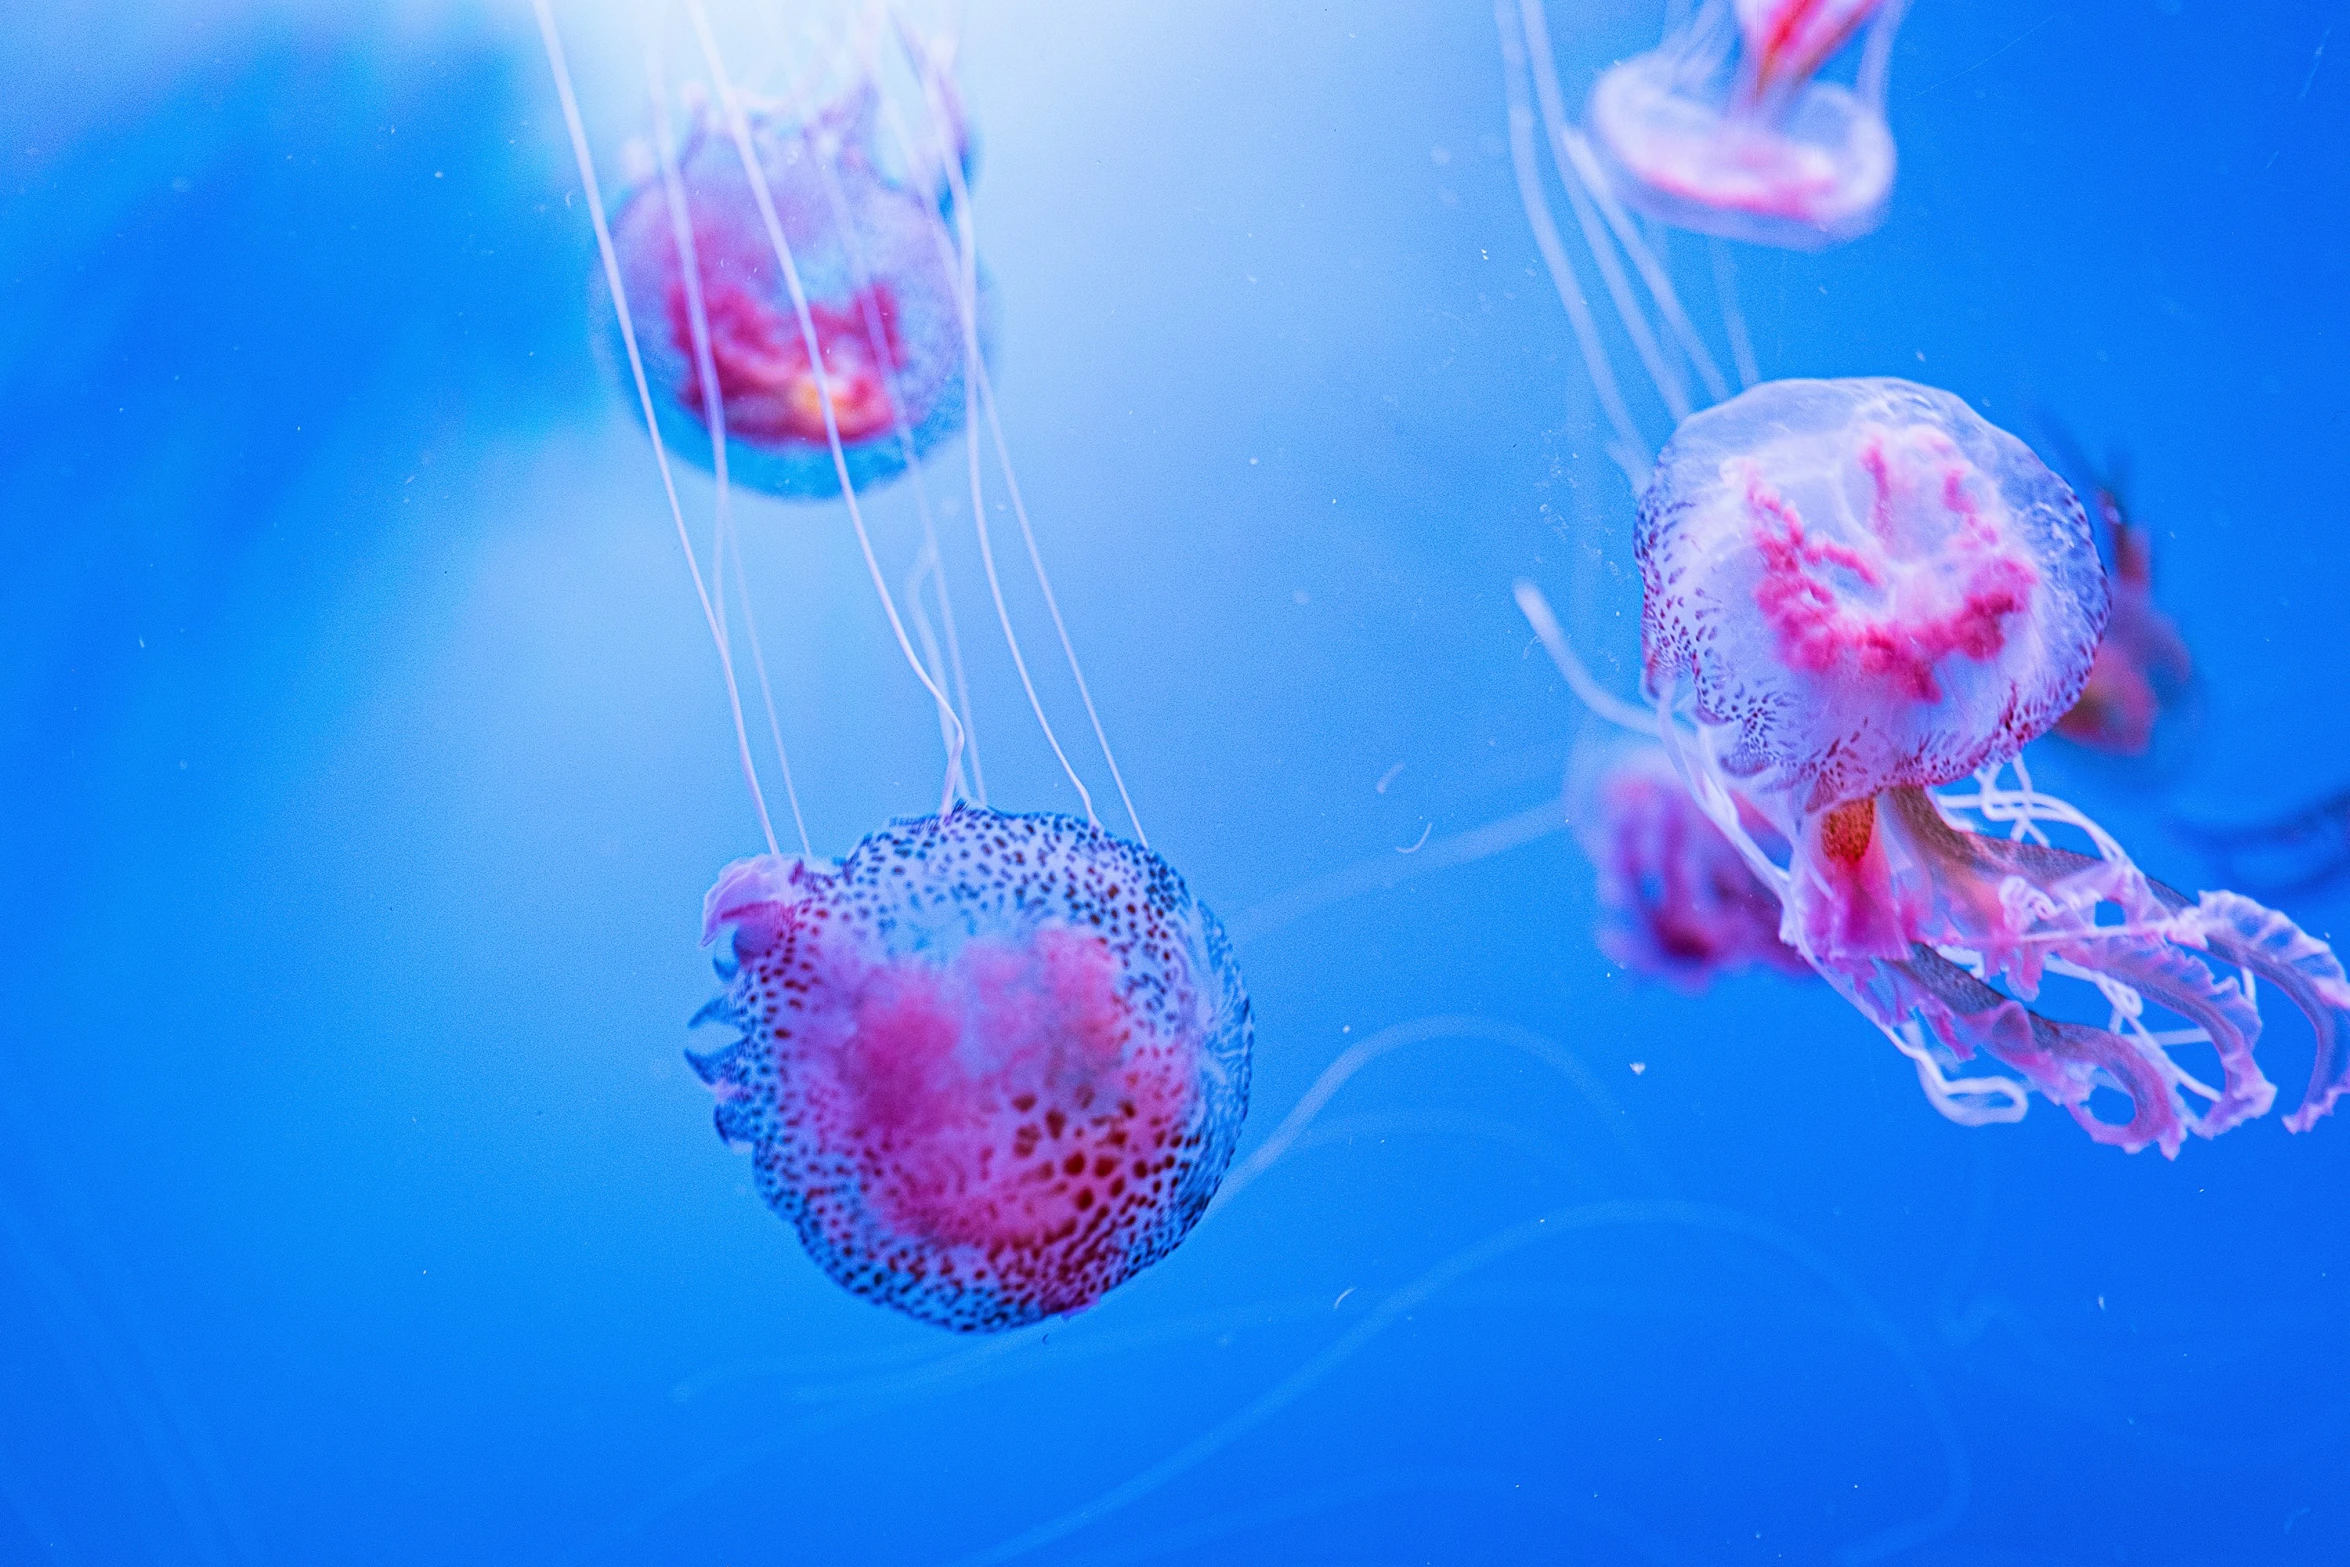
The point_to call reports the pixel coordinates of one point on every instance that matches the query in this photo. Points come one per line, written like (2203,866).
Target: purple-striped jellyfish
(874,265)
(990,1066)
(1857,591)
(1726,128)
(1676,901)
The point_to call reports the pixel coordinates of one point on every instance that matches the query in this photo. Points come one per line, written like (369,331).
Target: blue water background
(364,762)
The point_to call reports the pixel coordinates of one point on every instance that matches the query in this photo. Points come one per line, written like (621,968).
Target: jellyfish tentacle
(2062,1060)
(2175,979)
(2140,955)
(2236,929)
(1662,374)
(1628,450)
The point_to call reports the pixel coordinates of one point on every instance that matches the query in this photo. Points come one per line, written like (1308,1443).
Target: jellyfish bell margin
(989,1066)
(1855,592)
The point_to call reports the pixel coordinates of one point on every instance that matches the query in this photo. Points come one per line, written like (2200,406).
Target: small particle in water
(1380,787)
(1639,1067)
(1342,1294)
(1425,830)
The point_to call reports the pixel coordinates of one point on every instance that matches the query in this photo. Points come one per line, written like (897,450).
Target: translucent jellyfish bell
(990,1066)
(1867,584)
(1856,591)
(878,269)
(1676,901)
(1725,129)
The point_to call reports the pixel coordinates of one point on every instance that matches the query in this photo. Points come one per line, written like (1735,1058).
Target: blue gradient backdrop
(364,762)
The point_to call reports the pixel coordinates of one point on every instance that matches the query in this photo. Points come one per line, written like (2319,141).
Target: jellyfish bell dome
(1758,150)
(883,301)
(989,1066)
(1865,585)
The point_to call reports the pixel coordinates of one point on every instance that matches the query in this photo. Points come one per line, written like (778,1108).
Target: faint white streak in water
(1733,319)
(2315,61)
(1657,1213)
(120,1377)
(1993,55)
(1387,871)
(1422,1031)
(839,1403)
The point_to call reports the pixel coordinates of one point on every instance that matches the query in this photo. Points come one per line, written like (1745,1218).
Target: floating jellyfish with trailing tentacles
(990,1066)
(1726,128)
(1858,591)
(1676,900)
(726,250)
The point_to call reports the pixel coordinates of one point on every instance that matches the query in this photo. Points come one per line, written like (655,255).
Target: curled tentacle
(2172,978)
(2235,929)
(2061,1060)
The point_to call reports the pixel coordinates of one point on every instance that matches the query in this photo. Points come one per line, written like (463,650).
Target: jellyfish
(878,359)
(2142,666)
(1856,592)
(1676,901)
(1726,129)
(990,1066)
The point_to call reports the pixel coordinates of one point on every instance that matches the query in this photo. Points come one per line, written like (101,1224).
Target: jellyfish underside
(2013,906)
(1754,148)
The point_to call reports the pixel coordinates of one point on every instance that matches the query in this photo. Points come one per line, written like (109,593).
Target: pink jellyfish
(1677,902)
(990,1066)
(724,341)
(2142,663)
(1725,128)
(1856,591)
